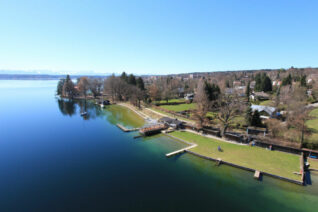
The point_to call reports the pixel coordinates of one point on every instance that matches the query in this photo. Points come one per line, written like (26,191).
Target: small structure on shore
(153,129)
(265,111)
(169,122)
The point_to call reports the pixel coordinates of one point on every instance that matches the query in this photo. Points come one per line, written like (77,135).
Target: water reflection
(70,108)
(67,107)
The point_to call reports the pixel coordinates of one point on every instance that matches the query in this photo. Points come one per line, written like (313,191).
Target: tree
(248,91)
(202,104)
(140,84)
(95,86)
(132,80)
(263,83)
(212,91)
(298,114)
(229,107)
(266,84)
(287,80)
(303,82)
(124,77)
(256,119)
(59,89)
(154,93)
(248,115)
(258,82)
(275,127)
(109,86)
(83,86)
(68,88)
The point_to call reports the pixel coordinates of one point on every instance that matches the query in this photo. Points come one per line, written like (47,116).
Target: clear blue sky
(157,37)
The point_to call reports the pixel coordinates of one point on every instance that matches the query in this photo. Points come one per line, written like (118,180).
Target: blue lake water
(52,159)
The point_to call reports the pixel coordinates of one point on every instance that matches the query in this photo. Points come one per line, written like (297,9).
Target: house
(252,84)
(240,90)
(181,92)
(236,83)
(189,96)
(265,111)
(229,91)
(259,96)
(277,83)
(174,123)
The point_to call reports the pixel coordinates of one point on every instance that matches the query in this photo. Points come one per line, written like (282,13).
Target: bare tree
(275,127)
(83,86)
(298,114)
(202,104)
(229,107)
(95,85)
(154,93)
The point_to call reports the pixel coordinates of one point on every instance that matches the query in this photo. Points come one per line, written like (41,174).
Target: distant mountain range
(44,75)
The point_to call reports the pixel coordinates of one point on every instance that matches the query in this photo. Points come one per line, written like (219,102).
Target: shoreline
(144,116)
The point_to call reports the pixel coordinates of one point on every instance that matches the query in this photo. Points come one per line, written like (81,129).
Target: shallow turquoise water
(51,159)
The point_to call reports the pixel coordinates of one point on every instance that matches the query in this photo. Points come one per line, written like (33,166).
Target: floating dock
(125,129)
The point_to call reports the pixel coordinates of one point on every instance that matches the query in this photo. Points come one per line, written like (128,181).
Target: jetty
(126,129)
(257,174)
(180,150)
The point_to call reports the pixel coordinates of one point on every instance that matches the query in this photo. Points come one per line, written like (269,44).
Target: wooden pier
(180,150)
(125,129)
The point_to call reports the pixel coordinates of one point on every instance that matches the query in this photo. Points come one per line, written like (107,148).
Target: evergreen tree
(132,79)
(303,81)
(59,89)
(212,91)
(263,83)
(287,80)
(266,84)
(256,119)
(140,83)
(248,91)
(258,82)
(248,115)
(124,77)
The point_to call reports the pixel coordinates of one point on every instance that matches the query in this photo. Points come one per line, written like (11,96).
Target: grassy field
(266,103)
(274,162)
(313,125)
(178,108)
(313,163)
(171,115)
(171,101)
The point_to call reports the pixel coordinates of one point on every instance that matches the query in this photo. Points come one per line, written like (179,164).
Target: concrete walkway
(141,114)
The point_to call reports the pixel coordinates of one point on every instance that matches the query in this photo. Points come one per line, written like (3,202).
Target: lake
(52,159)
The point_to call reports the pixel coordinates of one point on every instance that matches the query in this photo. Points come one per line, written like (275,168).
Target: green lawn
(266,103)
(313,125)
(274,162)
(171,115)
(313,163)
(171,101)
(178,108)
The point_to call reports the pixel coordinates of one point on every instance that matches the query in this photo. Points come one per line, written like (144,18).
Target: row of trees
(125,88)
(263,82)
(209,98)
(84,85)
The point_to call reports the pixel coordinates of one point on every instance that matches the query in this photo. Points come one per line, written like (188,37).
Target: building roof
(262,94)
(261,108)
(170,121)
